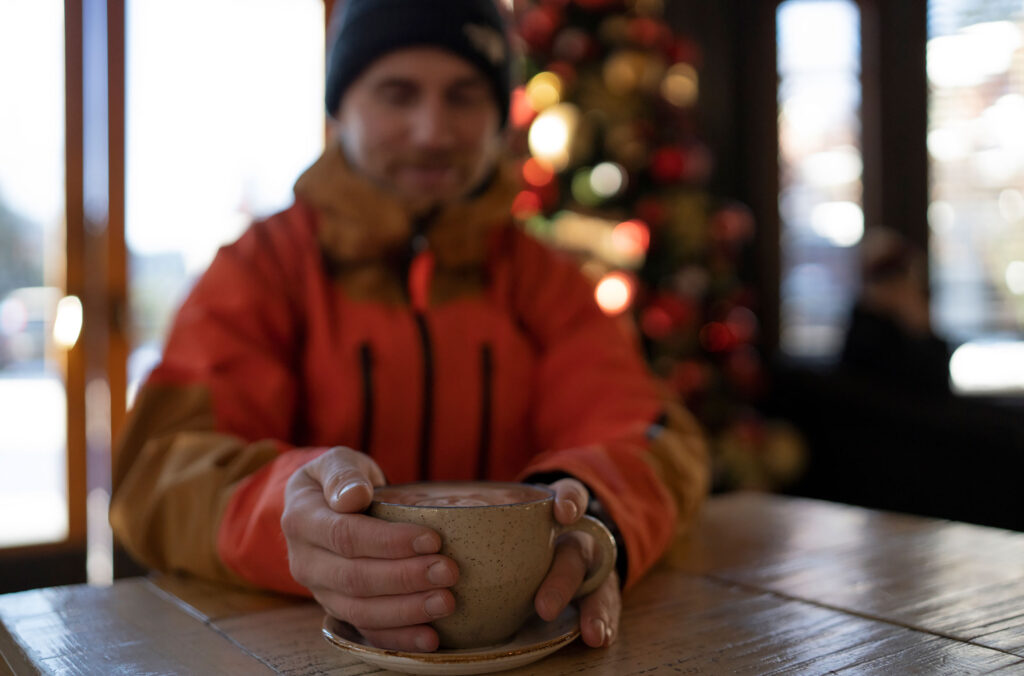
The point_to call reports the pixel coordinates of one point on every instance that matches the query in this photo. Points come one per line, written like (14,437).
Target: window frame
(97,272)
(894,120)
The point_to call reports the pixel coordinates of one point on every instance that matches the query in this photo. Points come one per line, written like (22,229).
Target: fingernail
(348,488)
(436,605)
(441,575)
(608,636)
(601,629)
(424,643)
(572,510)
(425,544)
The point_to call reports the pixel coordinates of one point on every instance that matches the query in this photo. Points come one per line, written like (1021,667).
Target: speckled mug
(503,552)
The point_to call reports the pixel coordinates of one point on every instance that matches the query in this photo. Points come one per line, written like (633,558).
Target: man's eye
(473,96)
(398,96)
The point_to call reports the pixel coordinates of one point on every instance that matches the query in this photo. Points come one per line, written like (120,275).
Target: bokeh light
(681,85)
(538,173)
(623,72)
(68,322)
(520,113)
(526,204)
(607,179)
(614,293)
(582,188)
(631,238)
(551,134)
(544,90)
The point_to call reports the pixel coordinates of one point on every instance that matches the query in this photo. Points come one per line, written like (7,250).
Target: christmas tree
(614,171)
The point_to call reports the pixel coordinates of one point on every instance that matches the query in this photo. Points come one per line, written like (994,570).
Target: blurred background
(811,212)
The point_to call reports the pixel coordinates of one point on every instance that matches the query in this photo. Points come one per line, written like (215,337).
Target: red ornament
(597,5)
(684,50)
(573,45)
(521,113)
(668,164)
(538,26)
(716,337)
(732,225)
(742,323)
(537,173)
(656,323)
(526,204)
(632,237)
(699,164)
(667,314)
(647,32)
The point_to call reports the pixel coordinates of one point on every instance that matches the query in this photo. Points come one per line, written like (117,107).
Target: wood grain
(125,628)
(949,579)
(764,585)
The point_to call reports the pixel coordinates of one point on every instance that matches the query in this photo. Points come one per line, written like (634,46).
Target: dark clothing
(877,346)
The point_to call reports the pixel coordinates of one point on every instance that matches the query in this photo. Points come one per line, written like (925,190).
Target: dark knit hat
(368,29)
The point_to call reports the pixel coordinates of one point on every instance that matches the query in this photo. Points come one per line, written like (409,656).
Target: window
(33,405)
(820,165)
(216,135)
(976,214)
(222,110)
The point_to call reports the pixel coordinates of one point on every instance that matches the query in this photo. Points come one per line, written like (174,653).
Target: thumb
(347,478)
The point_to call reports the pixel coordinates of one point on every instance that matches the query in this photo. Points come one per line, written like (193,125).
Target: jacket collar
(360,223)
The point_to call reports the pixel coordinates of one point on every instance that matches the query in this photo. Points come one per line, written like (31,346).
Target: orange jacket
(482,356)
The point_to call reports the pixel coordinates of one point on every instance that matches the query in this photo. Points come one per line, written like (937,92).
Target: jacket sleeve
(602,419)
(208,427)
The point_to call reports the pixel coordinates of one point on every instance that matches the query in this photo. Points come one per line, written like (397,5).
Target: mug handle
(604,544)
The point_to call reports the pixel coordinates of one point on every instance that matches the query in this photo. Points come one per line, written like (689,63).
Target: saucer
(536,639)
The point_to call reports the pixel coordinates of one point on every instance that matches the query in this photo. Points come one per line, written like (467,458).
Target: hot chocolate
(502,536)
(455,494)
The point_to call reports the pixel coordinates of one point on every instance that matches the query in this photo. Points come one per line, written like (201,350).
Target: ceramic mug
(502,536)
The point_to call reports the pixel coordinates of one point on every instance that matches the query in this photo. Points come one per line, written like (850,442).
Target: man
(393,325)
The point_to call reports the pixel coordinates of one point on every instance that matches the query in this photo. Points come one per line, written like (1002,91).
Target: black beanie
(369,29)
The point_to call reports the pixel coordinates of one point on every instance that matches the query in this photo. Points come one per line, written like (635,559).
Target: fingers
(420,638)
(347,478)
(388,612)
(361,578)
(567,571)
(599,614)
(571,499)
(355,536)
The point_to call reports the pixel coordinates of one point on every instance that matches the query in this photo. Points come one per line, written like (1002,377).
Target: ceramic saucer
(535,640)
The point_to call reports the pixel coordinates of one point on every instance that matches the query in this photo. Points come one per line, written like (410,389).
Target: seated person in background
(394,325)
(890,335)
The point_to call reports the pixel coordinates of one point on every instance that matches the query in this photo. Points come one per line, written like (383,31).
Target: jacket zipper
(366,366)
(483,463)
(426,422)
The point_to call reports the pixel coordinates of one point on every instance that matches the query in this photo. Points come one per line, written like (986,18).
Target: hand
(599,612)
(385,579)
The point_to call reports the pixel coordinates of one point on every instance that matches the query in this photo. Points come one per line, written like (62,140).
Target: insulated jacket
(461,348)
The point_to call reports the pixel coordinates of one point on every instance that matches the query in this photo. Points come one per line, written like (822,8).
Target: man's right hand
(385,579)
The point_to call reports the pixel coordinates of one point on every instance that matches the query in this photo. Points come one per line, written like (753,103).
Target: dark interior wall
(737,112)
(895,114)
(712,26)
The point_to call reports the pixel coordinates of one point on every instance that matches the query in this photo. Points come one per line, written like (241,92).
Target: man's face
(423,124)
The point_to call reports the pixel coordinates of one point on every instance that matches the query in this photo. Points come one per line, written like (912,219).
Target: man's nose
(432,125)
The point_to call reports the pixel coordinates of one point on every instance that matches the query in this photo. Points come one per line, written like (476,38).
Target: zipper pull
(421,270)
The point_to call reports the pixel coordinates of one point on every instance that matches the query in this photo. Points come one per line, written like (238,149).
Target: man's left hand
(599,612)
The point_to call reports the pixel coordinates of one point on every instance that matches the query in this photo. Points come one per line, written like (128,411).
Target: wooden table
(764,585)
